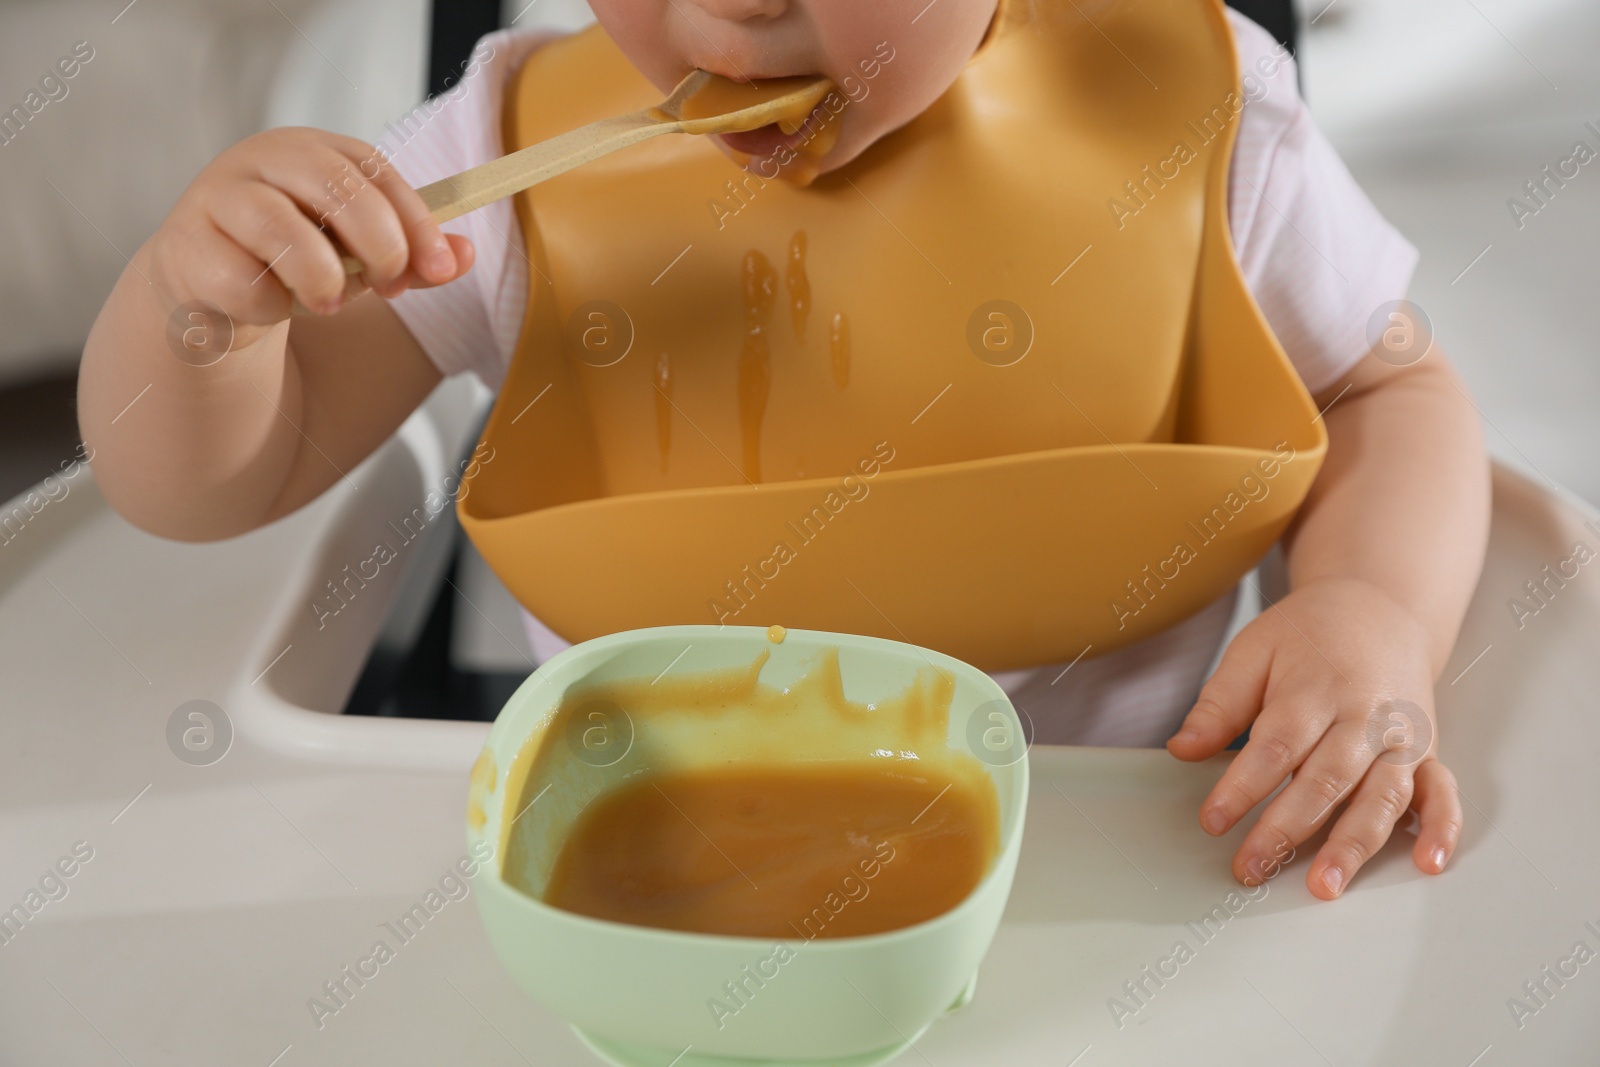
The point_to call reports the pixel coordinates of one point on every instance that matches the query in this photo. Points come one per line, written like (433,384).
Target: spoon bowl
(704,103)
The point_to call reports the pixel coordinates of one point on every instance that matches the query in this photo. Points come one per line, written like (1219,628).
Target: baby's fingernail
(1333,878)
(1215,822)
(441,261)
(1188,733)
(1438,858)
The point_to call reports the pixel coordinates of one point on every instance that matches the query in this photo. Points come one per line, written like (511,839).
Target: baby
(1334,681)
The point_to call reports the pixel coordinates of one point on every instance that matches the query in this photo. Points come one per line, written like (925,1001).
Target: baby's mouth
(763,142)
(767,140)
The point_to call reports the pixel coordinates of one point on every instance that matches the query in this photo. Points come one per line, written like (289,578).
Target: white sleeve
(471,324)
(1315,252)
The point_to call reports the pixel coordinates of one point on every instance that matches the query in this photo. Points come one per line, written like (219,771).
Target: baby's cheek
(873,109)
(639,28)
(893,58)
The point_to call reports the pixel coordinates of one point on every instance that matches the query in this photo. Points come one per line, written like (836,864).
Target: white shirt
(1315,253)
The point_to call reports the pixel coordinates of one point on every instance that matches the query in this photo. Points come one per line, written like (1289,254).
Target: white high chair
(220,898)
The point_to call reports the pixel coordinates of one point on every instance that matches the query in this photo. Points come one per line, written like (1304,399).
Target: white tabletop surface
(220,898)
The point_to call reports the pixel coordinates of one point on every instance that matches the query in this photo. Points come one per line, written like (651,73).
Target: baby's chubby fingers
(433,257)
(267,224)
(1438,806)
(327,187)
(1228,702)
(1286,732)
(214,263)
(292,202)
(358,199)
(1376,808)
(1336,764)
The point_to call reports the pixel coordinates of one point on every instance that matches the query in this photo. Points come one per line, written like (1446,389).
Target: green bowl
(630,989)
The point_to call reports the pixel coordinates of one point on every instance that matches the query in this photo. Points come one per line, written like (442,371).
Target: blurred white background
(1442,109)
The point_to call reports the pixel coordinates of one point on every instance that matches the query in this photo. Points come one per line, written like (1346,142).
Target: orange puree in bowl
(830,849)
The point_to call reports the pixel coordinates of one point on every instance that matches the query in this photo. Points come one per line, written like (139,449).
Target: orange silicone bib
(995,387)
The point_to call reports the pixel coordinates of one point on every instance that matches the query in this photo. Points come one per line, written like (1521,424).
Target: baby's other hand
(256,229)
(1335,678)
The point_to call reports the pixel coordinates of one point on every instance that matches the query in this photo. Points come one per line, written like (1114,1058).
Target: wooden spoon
(702,103)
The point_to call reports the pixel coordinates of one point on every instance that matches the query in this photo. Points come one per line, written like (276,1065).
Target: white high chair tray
(219,899)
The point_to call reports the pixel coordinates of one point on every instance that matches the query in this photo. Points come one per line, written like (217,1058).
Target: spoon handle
(499,178)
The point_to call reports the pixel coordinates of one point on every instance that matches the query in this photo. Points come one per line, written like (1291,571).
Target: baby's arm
(202,452)
(1338,676)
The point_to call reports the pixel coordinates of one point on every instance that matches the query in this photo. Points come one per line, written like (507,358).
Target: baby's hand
(255,229)
(1336,679)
